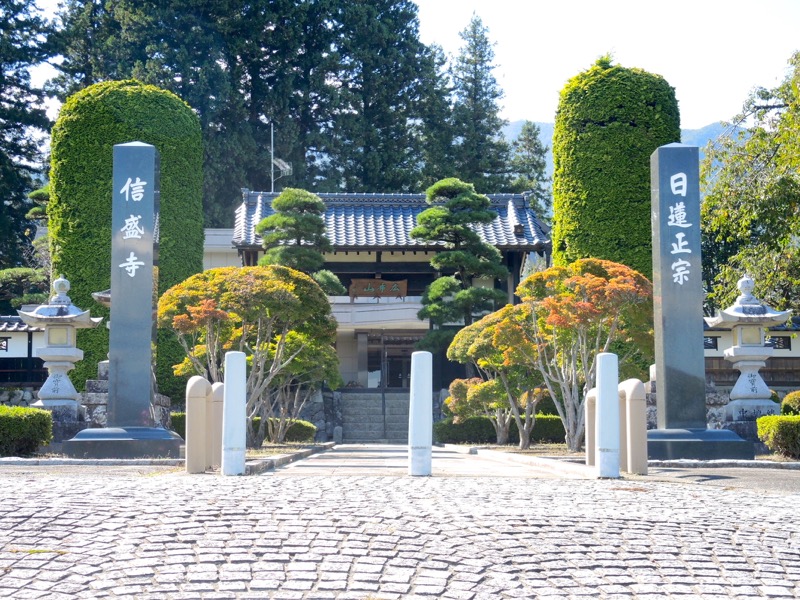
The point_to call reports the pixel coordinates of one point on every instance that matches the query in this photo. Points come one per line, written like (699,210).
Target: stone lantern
(60,319)
(750,397)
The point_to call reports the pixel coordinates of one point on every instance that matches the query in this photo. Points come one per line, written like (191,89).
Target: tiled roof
(12,324)
(380,221)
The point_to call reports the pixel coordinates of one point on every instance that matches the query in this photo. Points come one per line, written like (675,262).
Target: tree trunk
(501,424)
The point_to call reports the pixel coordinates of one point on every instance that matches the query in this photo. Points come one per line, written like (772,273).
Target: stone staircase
(374,417)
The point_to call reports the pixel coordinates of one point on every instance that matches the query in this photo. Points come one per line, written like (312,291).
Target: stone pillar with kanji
(132,430)
(678,314)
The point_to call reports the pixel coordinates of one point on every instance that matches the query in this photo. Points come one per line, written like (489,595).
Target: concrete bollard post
(636,417)
(234,418)
(197,392)
(214,425)
(420,415)
(590,415)
(607,434)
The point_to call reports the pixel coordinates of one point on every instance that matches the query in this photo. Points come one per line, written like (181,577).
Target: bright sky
(713,52)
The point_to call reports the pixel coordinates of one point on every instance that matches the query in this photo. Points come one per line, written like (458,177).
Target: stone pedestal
(698,444)
(124,442)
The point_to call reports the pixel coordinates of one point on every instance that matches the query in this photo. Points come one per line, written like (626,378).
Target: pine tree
(481,154)
(455,209)
(22,45)
(294,236)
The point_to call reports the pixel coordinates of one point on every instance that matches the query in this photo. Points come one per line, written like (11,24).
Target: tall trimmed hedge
(609,121)
(91,122)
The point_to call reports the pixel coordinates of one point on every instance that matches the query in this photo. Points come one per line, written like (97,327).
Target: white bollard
(420,415)
(234,417)
(607,433)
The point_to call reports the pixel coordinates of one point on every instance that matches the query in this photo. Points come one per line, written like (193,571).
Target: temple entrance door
(398,368)
(389,361)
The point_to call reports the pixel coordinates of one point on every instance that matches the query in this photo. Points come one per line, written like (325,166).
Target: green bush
(90,123)
(609,121)
(479,430)
(791,403)
(472,430)
(548,429)
(546,406)
(179,423)
(23,430)
(299,431)
(781,434)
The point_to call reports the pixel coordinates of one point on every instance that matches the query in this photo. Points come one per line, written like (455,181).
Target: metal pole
(271,158)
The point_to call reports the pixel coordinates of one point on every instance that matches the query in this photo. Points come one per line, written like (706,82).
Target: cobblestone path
(159,533)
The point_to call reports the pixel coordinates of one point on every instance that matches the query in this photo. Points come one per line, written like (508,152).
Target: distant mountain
(692,137)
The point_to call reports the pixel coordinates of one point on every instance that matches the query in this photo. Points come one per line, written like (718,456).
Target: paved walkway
(329,527)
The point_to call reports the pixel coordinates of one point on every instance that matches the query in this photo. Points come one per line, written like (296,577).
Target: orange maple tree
(568,315)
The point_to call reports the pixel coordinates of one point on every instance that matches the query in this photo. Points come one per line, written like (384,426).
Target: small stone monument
(60,319)
(750,397)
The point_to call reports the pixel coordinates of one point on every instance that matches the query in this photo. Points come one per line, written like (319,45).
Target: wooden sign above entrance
(377,288)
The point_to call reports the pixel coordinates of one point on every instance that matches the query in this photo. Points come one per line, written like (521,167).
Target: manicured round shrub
(23,430)
(790,405)
(781,434)
(90,123)
(609,121)
(301,431)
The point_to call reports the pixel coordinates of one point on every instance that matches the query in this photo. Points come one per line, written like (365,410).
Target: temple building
(386,272)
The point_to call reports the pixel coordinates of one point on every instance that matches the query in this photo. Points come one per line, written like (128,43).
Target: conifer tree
(294,236)
(22,45)
(528,164)
(452,298)
(610,119)
(481,154)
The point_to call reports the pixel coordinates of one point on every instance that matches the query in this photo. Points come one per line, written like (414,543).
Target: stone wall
(94,401)
(17,397)
(716,401)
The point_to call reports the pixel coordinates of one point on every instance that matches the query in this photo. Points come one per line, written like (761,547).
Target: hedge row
(90,123)
(299,431)
(479,430)
(23,430)
(781,434)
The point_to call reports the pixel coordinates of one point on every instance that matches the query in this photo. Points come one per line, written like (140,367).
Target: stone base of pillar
(750,409)
(124,442)
(697,444)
